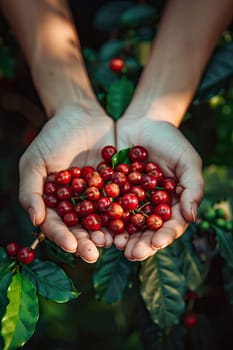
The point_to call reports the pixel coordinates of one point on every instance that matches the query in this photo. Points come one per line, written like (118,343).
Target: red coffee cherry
(64,193)
(116,226)
(75,171)
(112,190)
(71,219)
(123,168)
(169,184)
(148,182)
(129,201)
(12,249)
(64,207)
(116,64)
(154,222)
(86,207)
(26,255)
(114,211)
(160,196)
(107,152)
(103,203)
(138,219)
(63,177)
(138,153)
(190,319)
(163,210)
(78,185)
(50,187)
(92,222)
(87,169)
(50,200)
(93,193)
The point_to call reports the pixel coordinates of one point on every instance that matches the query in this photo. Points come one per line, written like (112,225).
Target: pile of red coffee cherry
(131,196)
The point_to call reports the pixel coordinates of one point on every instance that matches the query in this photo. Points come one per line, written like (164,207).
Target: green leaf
(57,254)
(107,17)
(5,280)
(102,75)
(225,245)
(218,71)
(118,97)
(112,275)
(121,157)
(138,15)
(7,63)
(190,266)
(4,260)
(50,281)
(163,288)
(110,49)
(22,313)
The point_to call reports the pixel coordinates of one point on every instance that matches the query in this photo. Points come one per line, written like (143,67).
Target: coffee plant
(166,288)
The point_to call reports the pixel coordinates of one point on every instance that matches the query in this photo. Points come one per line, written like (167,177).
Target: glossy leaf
(7,63)
(137,15)
(218,71)
(118,97)
(225,245)
(57,254)
(163,288)
(120,157)
(4,260)
(22,313)
(110,49)
(102,76)
(112,275)
(107,17)
(189,265)
(5,280)
(50,281)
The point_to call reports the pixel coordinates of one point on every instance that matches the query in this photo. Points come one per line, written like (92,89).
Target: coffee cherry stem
(141,207)
(38,240)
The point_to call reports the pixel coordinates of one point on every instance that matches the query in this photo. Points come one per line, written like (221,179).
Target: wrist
(62,81)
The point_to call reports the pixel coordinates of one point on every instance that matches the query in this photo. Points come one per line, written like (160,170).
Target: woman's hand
(168,147)
(74,136)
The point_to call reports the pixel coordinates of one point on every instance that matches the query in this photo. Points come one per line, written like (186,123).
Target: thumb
(191,180)
(30,193)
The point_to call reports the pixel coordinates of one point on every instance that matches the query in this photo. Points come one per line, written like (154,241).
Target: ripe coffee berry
(71,219)
(26,255)
(190,319)
(138,153)
(116,64)
(107,152)
(12,249)
(126,193)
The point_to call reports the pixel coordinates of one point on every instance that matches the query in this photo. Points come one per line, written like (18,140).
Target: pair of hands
(75,136)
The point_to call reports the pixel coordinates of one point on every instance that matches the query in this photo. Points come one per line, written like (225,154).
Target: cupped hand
(169,148)
(74,136)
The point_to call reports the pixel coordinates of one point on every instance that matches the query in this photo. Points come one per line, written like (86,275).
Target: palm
(72,137)
(173,153)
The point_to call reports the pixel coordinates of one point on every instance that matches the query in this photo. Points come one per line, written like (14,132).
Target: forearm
(187,35)
(50,43)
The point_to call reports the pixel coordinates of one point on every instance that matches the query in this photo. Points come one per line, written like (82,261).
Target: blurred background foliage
(85,322)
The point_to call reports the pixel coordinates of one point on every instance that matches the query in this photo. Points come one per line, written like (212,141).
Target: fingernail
(32,215)
(194,212)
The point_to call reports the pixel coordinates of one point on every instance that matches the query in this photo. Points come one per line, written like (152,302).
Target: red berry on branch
(12,249)
(190,319)
(116,64)
(26,255)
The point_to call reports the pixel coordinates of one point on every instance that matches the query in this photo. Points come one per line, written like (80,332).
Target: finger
(170,230)
(98,237)
(108,238)
(30,194)
(86,249)
(191,179)
(58,232)
(143,247)
(121,240)
(133,239)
